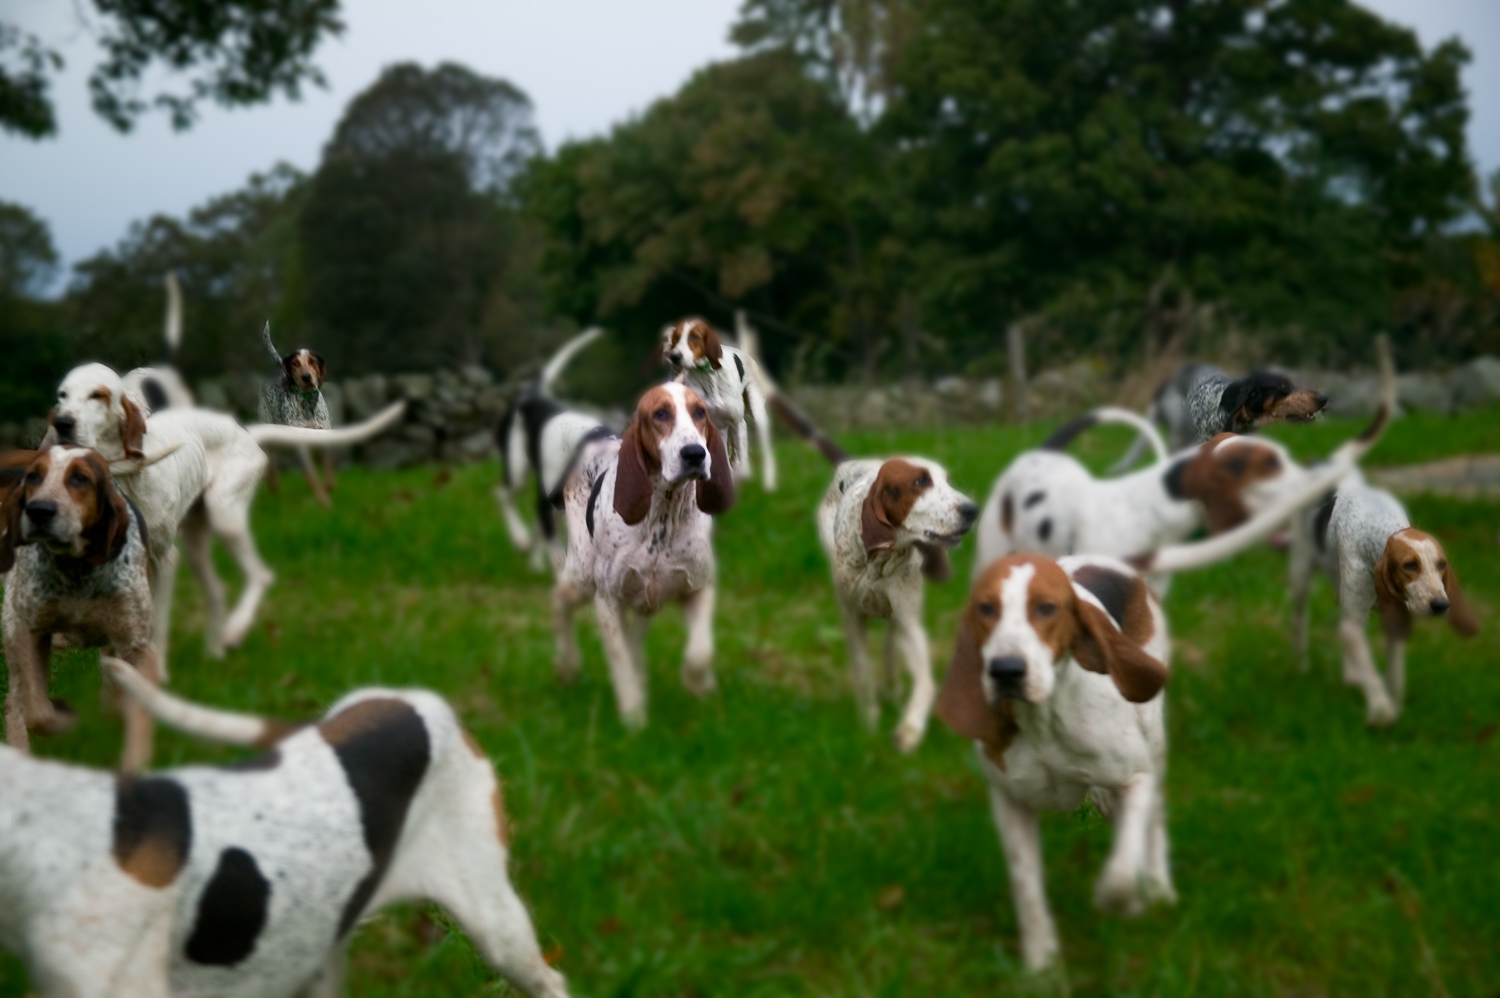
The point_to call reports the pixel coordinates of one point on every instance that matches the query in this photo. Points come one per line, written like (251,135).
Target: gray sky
(586,64)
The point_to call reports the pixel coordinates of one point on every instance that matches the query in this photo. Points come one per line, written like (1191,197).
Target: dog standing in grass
(295,398)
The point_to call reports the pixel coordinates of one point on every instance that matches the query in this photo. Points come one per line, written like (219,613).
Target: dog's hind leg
(566,597)
(197,542)
(231,522)
(856,626)
(304,457)
(1020,839)
(756,403)
(913,642)
(163,580)
(1395,670)
(1359,670)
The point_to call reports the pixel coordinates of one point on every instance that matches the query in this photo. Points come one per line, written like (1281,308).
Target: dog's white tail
(1108,414)
(265,339)
(204,722)
(274,434)
(172,333)
(565,353)
(1184,557)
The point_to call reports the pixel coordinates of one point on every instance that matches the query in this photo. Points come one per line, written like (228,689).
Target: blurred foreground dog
(294,397)
(640,535)
(247,880)
(1362,538)
(1057,676)
(1200,401)
(539,435)
(724,377)
(76,552)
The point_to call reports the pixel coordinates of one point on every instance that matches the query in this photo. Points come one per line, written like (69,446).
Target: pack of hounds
(247,881)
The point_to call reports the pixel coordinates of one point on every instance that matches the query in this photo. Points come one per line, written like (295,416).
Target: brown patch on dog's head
(640,453)
(102,510)
(897,487)
(1263,397)
(303,371)
(1413,567)
(1390,588)
(1125,598)
(133,432)
(704,344)
(1219,473)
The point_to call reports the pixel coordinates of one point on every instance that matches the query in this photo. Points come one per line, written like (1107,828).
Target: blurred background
(884,187)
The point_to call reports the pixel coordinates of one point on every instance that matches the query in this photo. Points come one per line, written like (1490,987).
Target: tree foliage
(234,53)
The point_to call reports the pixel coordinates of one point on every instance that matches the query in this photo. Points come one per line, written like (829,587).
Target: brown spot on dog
(897,487)
(1125,599)
(1220,472)
(153,830)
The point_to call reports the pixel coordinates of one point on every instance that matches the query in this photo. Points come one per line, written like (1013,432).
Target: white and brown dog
(640,536)
(1362,538)
(247,880)
(76,551)
(885,525)
(1057,675)
(725,378)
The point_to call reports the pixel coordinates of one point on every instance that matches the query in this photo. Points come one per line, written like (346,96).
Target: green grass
(761,843)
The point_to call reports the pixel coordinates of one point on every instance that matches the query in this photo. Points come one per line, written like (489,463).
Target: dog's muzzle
(694,461)
(1007,672)
(65,426)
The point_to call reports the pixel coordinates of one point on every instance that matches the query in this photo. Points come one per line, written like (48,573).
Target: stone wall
(451,415)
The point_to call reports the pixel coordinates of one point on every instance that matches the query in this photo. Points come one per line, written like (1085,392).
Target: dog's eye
(78,480)
(100,393)
(700,413)
(1045,610)
(62,396)
(1412,565)
(922,482)
(662,414)
(33,478)
(1442,566)
(989,610)
(1270,462)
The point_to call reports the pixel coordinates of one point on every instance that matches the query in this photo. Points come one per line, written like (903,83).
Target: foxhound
(1057,676)
(294,397)
(1200,401)
(247,880)
(640,535)
(76,551)
(1362,538)
(725,378)
(539,435)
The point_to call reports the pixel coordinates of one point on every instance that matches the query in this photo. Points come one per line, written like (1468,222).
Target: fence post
(1015,343)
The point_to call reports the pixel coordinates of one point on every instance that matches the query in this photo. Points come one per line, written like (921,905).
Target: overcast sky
(586,64)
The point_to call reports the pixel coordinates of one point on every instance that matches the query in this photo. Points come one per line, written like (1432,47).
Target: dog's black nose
(1440,606)
(1320,398)
(693,455)
(1007,668)
(307,379)
(675,357)
(41,512)
(968,512)
(65,425)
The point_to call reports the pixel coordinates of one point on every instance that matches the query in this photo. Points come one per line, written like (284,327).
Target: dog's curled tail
(204,722)
(265,338)
(795,419)
(172,332)
(1105,415)
(565,353)
(274,434)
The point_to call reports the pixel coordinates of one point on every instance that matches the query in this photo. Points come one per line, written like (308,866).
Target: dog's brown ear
(1202,479)
(961,704)
(1459,614)
(716,495)
(1390,597)
(632,477)
(1099,647)
(321,365)
(133,433)
(875,527)
(10,525)
(109,533)
(712,348)
(935,564)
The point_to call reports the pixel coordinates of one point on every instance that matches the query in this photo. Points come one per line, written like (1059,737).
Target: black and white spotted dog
(294,397)
(1199,402)
(246,881)
(540,435)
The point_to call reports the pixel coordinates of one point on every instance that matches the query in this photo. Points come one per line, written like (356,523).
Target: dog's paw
(699,680)
(634,718)
(1120,893)
(1040,953)
(908,737)
(1381,713)
(62,719)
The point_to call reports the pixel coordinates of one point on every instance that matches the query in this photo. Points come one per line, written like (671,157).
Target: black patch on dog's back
(600,432)
(156,395)
(231,911)
(1033,499)
(739,365)
(384,748)
(588,513)
(1322,518)
(153,829)
(1112,589)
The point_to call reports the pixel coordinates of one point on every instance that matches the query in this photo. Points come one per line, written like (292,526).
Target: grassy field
(761,843)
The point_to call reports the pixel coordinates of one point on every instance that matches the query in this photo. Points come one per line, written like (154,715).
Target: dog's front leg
(855,626)
(1158,859)
(757,406)
(1299,572)
(1359,670)
(565,599)
(742,466)
(630,698)
(197,542)
(913,642)
(1122,886)
(698,663)
(1020,839)
(163,580)
(27,654)
(1395,670)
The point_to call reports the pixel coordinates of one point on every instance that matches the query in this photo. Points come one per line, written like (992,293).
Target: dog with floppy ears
(640,535)
(76,553)
(725,378)
(1363,540)
(1057,676)
(245,881)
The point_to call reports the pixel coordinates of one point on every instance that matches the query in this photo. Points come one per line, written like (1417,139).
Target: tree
(243,51)
(34,348)
(413,256)
(28,260)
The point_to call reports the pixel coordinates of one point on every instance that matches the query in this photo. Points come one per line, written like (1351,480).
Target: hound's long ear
(935,564)
(1099,646)
(632,478)
(10,526)
(1237,400)
(1459,614)
(321,364)
(109,534)
(133,433)
(712,348)
(1202,479)
(1390,598)
(875,527)
(960,703)
(716,495)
